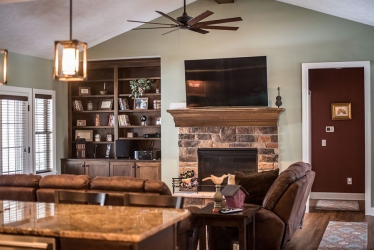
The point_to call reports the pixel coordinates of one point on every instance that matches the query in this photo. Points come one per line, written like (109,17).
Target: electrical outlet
(349,181)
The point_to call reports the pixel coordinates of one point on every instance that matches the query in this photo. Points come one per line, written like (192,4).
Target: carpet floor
(344,235)
(337,205)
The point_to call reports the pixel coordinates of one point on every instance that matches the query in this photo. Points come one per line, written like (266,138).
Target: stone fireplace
(227,128)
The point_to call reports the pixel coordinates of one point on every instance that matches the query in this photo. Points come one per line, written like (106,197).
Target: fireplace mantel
(207,117)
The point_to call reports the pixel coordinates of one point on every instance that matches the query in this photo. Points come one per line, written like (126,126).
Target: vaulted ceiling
(31,27)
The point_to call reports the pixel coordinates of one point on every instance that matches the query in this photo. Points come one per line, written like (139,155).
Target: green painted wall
(33,72)
(286,34)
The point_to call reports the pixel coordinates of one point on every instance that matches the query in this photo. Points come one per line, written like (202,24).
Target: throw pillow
(256,184)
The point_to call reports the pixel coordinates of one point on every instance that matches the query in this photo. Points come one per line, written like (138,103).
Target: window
(43,134)
(27,131)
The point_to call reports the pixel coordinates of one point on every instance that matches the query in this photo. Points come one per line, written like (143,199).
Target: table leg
(202,235)
(242,226)
(251,237)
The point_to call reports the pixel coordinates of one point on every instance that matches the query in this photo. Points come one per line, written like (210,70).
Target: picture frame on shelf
(81,123)
(111,121)
(141,103)
(84,90)
(86,134)
(106,104)
(123,120)
(77,105)
(158,121)
(341,111)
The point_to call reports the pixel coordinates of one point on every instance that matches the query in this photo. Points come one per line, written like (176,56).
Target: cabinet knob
(133,166)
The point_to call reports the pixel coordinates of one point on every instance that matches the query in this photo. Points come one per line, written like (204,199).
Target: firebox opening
(220,161)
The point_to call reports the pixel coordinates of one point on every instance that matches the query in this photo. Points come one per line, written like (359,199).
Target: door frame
(306,118)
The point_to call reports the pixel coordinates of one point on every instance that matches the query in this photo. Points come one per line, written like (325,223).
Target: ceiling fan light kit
(67,64)
(191,23)
(5,66)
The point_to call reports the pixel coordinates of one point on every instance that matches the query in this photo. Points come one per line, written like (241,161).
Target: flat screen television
(223,82)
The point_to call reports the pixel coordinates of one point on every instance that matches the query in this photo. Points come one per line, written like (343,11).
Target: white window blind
(13,131)
(43,133)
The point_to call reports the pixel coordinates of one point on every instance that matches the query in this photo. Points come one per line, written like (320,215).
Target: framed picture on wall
(341,111)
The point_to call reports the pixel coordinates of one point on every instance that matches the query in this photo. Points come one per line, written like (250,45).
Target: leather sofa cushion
(65,181)
(48,194)
(118,183)
(256,184)
(152,186)
(115,198)
(20,180)
(18,193)
(286,178)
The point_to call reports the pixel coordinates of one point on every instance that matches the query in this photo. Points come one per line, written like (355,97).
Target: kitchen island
(74,226)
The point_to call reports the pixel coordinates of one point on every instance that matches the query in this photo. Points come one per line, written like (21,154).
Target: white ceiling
(31,27)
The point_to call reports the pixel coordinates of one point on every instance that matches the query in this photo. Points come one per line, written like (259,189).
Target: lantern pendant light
(5,66)
(67,66)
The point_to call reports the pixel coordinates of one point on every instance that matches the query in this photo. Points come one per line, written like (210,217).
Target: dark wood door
(97,168)
(148,170)
(72,167)
(122,169)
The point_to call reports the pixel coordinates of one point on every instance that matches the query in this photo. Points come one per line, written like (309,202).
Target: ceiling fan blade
(169,17)
(227,20)
(153,28)
(199,31)
(221,28)
(150,22)
(171,31)
(200,17)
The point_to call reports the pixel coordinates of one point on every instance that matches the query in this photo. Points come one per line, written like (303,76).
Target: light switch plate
(324,143)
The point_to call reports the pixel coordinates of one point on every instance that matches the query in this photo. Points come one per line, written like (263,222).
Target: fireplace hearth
(220,161)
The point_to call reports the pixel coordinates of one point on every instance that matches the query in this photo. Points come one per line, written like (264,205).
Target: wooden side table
(206,217)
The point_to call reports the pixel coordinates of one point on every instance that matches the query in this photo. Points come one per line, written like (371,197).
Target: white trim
(306,151)
(337,196)
(123,58)
(54,132)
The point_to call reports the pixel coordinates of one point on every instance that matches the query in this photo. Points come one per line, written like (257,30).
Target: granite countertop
(112,223)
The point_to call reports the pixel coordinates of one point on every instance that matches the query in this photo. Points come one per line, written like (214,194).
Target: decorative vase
(217,198)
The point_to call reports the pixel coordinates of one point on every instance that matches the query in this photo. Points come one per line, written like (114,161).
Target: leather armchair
(282,211)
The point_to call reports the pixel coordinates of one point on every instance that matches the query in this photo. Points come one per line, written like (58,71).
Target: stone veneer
(265,139)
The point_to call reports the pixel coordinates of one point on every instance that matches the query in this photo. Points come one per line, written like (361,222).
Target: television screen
(226,82)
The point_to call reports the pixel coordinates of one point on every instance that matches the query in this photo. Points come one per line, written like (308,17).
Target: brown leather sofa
(282,211)
(24,187)
(21,187)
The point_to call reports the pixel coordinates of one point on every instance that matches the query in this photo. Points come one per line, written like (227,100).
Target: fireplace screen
(220,161)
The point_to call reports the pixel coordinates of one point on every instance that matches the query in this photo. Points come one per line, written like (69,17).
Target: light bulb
(69,61)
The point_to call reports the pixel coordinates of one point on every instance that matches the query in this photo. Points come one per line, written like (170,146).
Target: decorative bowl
(103,92)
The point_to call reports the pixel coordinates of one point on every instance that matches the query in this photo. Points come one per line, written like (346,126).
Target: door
(148,170)
(338,146)
(97,168)
(72,167)
(122,169)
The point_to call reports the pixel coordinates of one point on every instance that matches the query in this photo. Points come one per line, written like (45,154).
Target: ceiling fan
(192,23)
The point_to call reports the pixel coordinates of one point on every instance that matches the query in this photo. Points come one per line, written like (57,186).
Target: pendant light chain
(71,22)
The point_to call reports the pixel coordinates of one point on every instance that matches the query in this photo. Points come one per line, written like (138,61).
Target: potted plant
(138,86)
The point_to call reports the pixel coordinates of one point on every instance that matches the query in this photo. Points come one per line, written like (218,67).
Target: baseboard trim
(337,196)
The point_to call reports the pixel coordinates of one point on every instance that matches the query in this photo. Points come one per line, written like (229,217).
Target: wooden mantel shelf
(216,117)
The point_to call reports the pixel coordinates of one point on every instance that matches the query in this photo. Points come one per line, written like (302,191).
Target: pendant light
(5,66)
(67,66)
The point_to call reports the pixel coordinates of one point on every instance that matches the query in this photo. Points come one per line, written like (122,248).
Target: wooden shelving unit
(115,75)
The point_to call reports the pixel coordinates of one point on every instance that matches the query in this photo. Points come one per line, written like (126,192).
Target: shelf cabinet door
(97,168)
(148,170)
(122,169)
(72,167)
